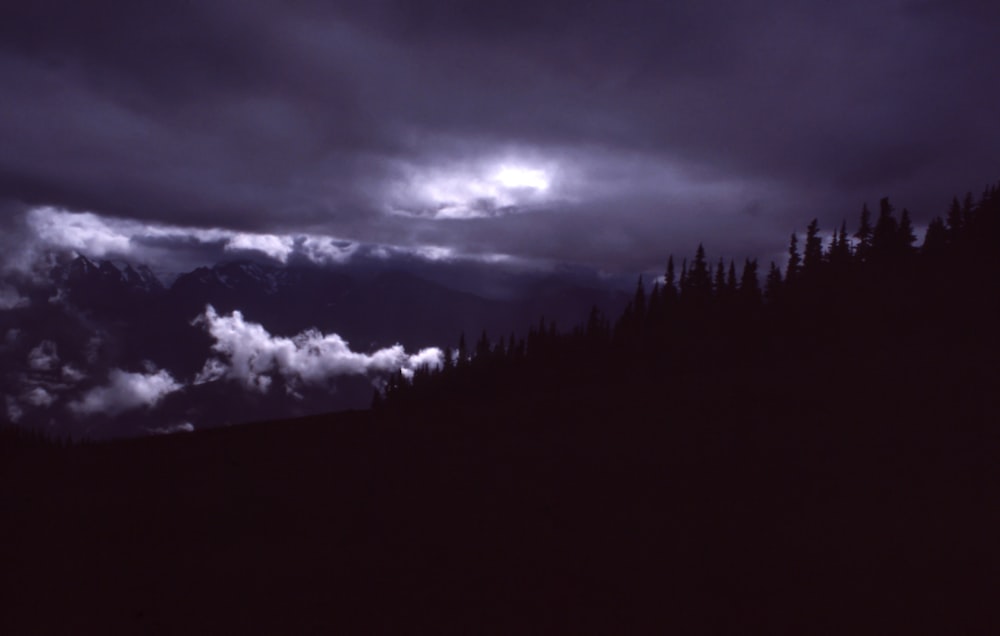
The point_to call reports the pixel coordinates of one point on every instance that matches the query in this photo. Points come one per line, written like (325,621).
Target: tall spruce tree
(864,235)
(907,238)
(813,249)
(699,278)
(719,284)
(954,220)
(772,288)
(885,237)
(749,284)
(794,260)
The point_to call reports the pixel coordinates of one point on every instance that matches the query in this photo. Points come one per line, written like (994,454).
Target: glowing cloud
(277,247)
(249,354)
(519,177)
(473,191)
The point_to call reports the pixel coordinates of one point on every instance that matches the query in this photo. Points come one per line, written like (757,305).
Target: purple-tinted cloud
(637,127)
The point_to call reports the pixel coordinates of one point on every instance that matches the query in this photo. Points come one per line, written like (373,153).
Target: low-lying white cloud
(126,391)
(277,247)
(327,250)
(82,231)
(183,427)
(249,354)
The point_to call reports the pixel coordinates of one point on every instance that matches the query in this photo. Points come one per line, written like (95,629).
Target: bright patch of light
(474,190)
(520,177)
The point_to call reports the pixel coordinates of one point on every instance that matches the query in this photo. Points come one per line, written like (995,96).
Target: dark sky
(599,133)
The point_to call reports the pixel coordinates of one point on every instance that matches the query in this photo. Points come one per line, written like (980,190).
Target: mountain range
(90,319)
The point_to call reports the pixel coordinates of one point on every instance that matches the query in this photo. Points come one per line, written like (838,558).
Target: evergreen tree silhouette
(699,284)
(773,284)
(669,283)
(954,220)
(794,260)
(448,362)
(936,238)
(749,284)
(719,282)
(968,210)
(885,237)
(907,238)
(639,301)
(463,352)
(813,249)
(483,348)
(864,235)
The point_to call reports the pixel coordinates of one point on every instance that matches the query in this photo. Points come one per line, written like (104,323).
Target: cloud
(14,410)
(183,427)
(374,121)
(247,353)
(83,232)
(126,391)
(276,247)
(326,250)
(10,298)
(44,357)
(38,397)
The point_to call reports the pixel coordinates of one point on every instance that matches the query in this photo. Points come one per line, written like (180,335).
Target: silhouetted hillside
(811,450)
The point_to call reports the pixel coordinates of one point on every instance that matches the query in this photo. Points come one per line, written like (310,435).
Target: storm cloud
(606,134)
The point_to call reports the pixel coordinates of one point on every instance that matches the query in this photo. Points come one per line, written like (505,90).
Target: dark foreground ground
(367,523)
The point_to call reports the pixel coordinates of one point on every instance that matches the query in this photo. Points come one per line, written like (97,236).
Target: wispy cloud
(126,391)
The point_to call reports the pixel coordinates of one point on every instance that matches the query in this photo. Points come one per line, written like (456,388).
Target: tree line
(869,301)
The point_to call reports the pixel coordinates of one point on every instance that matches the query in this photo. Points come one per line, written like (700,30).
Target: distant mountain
(98,316)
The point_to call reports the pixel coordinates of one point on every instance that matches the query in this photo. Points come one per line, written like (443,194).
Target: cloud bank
(247,353)
(617,131)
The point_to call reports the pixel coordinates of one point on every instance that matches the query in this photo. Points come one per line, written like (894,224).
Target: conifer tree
(864,235)
(773,284)
(794,260)
(906,237)
(699,279)
(968,211)
(719,284)
(936,238)
(842,253)
(954,220)
(731,284)
(813,248)
(654,310)
(886,234)
(669,280)
(749,285)
(639,301)
(463,352)
(669,293)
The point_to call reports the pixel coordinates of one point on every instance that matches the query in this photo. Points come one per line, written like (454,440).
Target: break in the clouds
(247,353)
(126,391)
(605,133)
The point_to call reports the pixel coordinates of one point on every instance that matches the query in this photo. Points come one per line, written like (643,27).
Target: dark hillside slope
(817,457)
(566,517)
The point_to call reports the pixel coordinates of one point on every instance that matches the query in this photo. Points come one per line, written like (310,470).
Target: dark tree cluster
(851,317)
